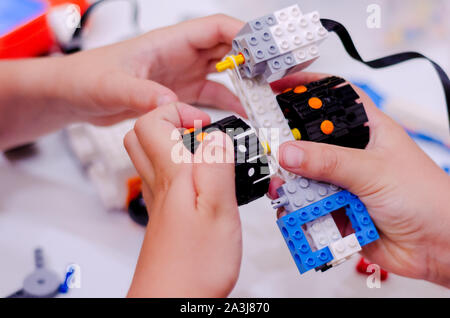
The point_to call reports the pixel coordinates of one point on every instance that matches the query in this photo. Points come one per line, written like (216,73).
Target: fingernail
(292,156)
(164,100)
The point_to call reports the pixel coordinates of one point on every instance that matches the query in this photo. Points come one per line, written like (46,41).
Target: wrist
(37,81)
(439,256)
(57,90)
(30,105)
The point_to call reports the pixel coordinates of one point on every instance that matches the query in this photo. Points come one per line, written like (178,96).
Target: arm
(120,81)
(29,101)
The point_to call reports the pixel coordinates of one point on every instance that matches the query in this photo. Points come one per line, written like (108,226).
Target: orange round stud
(201,136)
(315,103)
(287,90)
(300,89)
(188,131)
(327,127)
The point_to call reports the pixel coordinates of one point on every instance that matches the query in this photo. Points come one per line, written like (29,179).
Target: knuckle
(143,123)
(139,126)
(101,86)
(128,140)
(220,16)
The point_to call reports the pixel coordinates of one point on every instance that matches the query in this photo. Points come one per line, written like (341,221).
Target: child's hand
(406,194)
(193,244)
(135,76)
(120,81)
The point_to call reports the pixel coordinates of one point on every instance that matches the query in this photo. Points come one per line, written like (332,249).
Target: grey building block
(258,24)
(279,66)
(300,192)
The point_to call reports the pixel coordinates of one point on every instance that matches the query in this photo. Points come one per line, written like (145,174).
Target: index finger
(299,78)
(207,32)
(158,133)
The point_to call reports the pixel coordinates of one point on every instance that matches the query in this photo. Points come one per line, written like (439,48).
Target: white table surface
(47,201)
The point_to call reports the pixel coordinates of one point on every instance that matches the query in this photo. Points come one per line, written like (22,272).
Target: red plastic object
(34,37)
(362,266)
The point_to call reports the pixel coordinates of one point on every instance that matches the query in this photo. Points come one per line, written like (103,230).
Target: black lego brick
(251,164)
(339,105)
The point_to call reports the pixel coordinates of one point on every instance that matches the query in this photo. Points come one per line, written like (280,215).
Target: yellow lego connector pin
(296,133)
(230,62)
(266,148)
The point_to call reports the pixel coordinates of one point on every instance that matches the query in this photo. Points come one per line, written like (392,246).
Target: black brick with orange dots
(326,111)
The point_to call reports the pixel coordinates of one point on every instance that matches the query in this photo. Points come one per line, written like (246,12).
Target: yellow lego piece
(266,148)
(296,133)
(230,62)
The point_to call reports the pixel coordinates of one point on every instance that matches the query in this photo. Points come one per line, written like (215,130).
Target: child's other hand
(193,243)
(405,192)
(130,78)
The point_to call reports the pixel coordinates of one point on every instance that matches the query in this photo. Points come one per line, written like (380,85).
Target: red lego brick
(362,266)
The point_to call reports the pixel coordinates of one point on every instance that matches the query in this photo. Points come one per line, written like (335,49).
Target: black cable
(75,44)
(344,36)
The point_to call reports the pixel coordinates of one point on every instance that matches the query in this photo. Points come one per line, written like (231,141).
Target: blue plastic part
(14,13)
(425,137)
(291,228)
(374,95)
(64,287)
(304,257)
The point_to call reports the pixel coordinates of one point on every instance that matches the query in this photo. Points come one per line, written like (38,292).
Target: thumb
(213,172)
(140,95)
(351,169)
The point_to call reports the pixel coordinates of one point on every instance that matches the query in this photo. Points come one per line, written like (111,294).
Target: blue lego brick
(14,13)
(374,95)
(304,257)
(364,228)
(291,227)
(446,169)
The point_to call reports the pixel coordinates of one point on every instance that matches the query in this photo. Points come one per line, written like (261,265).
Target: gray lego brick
(278,66)
(300,192)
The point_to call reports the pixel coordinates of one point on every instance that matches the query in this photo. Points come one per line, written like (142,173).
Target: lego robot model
(266,50)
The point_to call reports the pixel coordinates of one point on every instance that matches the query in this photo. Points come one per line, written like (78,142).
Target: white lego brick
(297,30)
(101,151)
(323,231)
(344,248)
(263,111)
(287,13)
(81,144)
(306,54)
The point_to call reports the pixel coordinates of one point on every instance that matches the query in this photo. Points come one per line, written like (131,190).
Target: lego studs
(296,133)
(315,103)
(201,136)
(297,90)
(327,127)
(188,131)
(300,89)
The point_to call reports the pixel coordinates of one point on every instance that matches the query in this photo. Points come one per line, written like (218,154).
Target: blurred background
(47,197)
